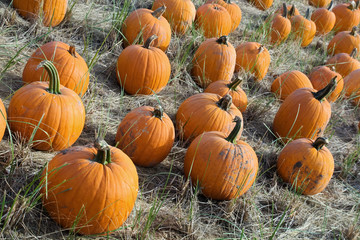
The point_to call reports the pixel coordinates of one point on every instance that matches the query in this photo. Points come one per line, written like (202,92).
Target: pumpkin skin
(288,82)
(214,20)
(321,76)
(324,20)
(307,165)
(214,60)
(155,70)
(51,11)
(352,86)
(73,181)
(224,167)
(305,113)
(57,110)
(3,118)
(146,135)
(344,42)
(303,28)
(73,70)
(261,4)
(252,57)
(233,9)
(179,13)
(147,23)
(319,3)
(344,63)
(280,27)
(238,95)
(346,17)
(204,112)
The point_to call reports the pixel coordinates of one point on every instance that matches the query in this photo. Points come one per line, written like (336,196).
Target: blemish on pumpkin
(297,165)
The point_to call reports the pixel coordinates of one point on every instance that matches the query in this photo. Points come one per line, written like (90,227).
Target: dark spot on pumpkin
(297,165)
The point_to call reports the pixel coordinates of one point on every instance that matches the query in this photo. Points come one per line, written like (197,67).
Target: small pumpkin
(261,4)
(352,86)
(303,28)
(49,114)
(307,165)
(3,119)
(319,3)
(288,82)
(214,60)
(51,12)
(224,167)
(347,16)
(344,63)
(344,42)
(143,23)
(72,68)
(233,9)
(146,135)
(154,64)
(91,189)
(280,27)
(254,58)
(324,20)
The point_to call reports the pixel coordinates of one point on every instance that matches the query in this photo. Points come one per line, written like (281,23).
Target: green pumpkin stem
(321,94)
(54,79)
(320,142)
(353,53)
(103,155)
(225,102)
(353,31)
(285,11)
(292,11)
(158,112)
(149,41)
(159,12)
(222,40)
(72,51)
(307,14)
(235,132)
(234,84)
(330,6)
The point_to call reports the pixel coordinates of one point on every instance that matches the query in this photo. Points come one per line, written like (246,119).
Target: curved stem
(54,79)
(285,11)
(320,142)
(225,102)
(353,53)
(158,112)
(353,31)
(103,155)
(149,41)
(307,14)
(292,11)
(330,6)
(321,94)
(159,12)
(234,84)
(235,132)
(72,51)
(222,40)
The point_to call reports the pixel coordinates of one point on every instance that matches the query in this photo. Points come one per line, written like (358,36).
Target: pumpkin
(143,23)
(319,3)
(288,82)
(291,11)
(233,9)
(344,63)
(52,12)
(223,87)
(306,164)
(280,27)
(72,68)
(91,189)
(324,20)
(254,58)
(214,20)
(146,135)
(261,4)
(303,28)
(352,86)
(179,13)
(153,63)
(3,118)
(48,114)
(214,60)
(347,16)
(305,113)
(344,42)
(223,166)
(204,112)
(321,76)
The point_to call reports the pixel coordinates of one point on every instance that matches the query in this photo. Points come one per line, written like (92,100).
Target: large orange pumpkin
(72,68)
(261,4)
(143,69)
(280,27)
(204,112)
(307,165)
(324,20)
(344,63)
(352,86)
(90,189)
(347,16)
(146,135)
(224,167)
(52,12)
(303,28)
(3,119)
(233,9)
(48,114)
(179,13)
(344,42)
(214,60)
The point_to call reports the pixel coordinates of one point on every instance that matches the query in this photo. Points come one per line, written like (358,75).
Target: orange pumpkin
(238,95)
(52,12)
(179,13)
(49,114)
(319,3)
(261,4)
(90,189)
(347,17)
(291,11)
(303,28)
(72,68)
(324,20)
(143,23)
(352,86)
(224,167)
(280,27)
(146,135)
(233,9)
(254,58)
(153,63)
(214,20)
(344,42)
(303,114)
(307,165)
(288,82)
(204,112)
(321,76)
(214,60)
(3,119)
(344,63)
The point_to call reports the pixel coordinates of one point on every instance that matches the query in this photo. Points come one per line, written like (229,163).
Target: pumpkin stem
(353,53)
(330,6)
(321,94)
(54,79)
(159,12)
(149,41)
(307,14)
(357,4)
(352,5)
(292,11)
(285,11)
(353,31)
(222,40)
(72,51)
(261,49)
(103,155)
(234,84)
(225,102)
(320,142)
(235,132)
(158,112)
